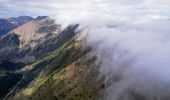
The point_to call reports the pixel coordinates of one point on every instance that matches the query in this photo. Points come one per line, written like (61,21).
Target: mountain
(20,20)
(35,30)
(43,61)
(39,60)
(34,39)
(50,59)
(53,62)
(8,24)
(5,26)
(27,44)
(67,73)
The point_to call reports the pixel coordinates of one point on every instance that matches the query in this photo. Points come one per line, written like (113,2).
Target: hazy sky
(78,9)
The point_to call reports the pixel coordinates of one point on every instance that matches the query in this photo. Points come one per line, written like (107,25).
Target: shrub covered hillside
(68,73)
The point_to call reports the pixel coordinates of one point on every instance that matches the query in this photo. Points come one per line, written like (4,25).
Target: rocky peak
(31,32)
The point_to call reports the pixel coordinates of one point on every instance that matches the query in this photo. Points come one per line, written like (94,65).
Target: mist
(134,57)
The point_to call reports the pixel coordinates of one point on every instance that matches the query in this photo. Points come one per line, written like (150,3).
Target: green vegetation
(65,74)
(2,73)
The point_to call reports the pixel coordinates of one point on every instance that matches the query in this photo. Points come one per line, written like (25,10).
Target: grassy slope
(65,74)
(2,73)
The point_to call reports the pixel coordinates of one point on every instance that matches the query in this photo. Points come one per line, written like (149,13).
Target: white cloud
(137,55)
(75,10)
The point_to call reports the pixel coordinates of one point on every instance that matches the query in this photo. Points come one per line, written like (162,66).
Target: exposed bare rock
(35,30)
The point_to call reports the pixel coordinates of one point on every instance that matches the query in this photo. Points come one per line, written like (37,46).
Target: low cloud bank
(134,57)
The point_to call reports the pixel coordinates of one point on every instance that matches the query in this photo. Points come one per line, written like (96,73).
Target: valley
(8,78)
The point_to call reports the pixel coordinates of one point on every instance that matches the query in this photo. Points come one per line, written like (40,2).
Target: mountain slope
(35,30)
(58,66)
(5,26)
(9,46)
(33,39)
(68,73)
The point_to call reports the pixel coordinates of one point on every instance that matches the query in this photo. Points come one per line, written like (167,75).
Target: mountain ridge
(53,63)
(34,38)
(7,24)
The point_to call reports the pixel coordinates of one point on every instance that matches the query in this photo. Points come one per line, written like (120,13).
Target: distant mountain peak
(42,17)
(21,17)
(20,20)
(35,30)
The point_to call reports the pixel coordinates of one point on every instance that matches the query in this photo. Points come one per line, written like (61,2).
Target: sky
(76,10)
